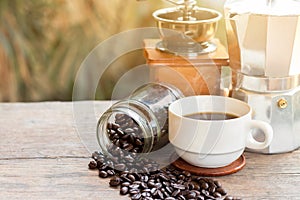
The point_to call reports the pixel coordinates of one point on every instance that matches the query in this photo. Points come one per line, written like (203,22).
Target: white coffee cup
(214,143)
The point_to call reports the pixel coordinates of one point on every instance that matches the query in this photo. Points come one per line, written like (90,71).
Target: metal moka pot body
(264,36)
(276,101)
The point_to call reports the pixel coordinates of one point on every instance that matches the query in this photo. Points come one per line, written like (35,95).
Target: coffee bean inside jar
(126,134)
(138,124)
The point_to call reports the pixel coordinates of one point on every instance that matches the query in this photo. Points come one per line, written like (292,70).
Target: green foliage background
(43,43)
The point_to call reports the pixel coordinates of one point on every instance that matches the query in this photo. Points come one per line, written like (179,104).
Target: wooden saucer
(200,171)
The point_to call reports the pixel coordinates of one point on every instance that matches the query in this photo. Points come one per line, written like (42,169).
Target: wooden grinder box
(192,75)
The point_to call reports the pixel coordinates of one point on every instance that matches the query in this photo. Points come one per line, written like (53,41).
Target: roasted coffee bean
(109,126)
(217,195)
(144,185)
(205,192)
(120,167)
(204,186)
(136,196)
(125,145)
(200,197)
(146,190)
(133,191)
(115,159)
(145,178)
(126,184)
(170,198)
(151,184)
(212,189)
(169,190)
(160,194)
(124,190)
(120,132)
(218,184)
(115,136)
(134,186)
(185,192)
(166,194)
(221,191)
(96,155)
(125,179)
(137,183)
(124,138)
(124,125)
(166,183)
(119,116)
(163,177)
(115,126)
(131,177)
(93,164)
(133,170)
(129,158)
(191,195)
(110,172)
(115,181)
(102,166)
(131,138)
(124,172)
(103,174)
(196,187)
(137,176)
(128,130)
(138,142)
(181,177)
(178,186)
(146,194)
(100,160)
(117,143)
(129,147)
(158,185)
(175,193)
(148,198)
(186,173)
(153,191)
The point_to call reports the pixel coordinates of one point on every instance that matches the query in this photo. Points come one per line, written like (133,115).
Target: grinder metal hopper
(187,29)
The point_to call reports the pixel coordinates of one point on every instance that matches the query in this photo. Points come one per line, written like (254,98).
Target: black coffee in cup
(211,116)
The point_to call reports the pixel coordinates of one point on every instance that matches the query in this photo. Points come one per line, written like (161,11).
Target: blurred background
(44,42)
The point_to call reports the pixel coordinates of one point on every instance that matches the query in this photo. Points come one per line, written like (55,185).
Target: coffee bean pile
(120,162)
(154,183)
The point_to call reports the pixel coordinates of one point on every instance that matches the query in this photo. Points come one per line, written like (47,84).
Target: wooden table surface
(45,149)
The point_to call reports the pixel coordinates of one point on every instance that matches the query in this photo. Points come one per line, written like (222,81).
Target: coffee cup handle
(267,131)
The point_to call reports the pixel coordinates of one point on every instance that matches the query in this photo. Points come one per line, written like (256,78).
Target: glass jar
(139,123)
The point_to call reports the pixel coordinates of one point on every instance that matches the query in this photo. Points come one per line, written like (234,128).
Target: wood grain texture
(155,57)
(45,149)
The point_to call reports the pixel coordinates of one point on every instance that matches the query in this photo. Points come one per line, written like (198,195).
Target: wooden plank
(266,177)
(69,177)
(45,149)
(62,178)
(49,129)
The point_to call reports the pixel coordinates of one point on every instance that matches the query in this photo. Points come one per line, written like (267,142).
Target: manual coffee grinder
(188,55)
(264,51)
